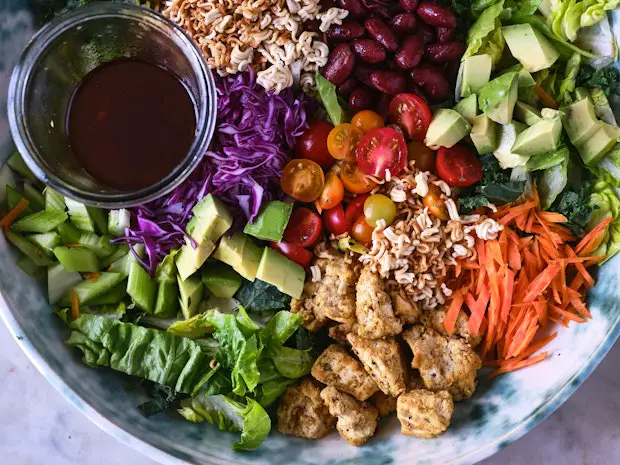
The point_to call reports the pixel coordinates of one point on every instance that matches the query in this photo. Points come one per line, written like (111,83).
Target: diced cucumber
(69,234)
(141,288)
(114,295)
(17,164)
(12,198)
(46,241)
(89,290)
(40,222)
(118,220)
(59,282)
(37,202)
(99,244)
(28,248)
(77,259)
(78,213)
(28,266)
(166,300)
(54,200)
(121,251)
(100,219)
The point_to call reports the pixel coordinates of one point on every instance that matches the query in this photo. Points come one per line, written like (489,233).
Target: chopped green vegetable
(141,288)
(547,160)
(568,84)
(12,199)
(551,182)
(161,398)
(575,206)
(329,99)
(100,219)
(78,213)
(100,245)
(54,201)
(606,79)
(485,35)
(46,241)
(28,266)
(121,251)
(34,197)
(17,164)
(118,221)
(258,296)
(28,249)
(196,327)
(114,295)
(69,234)
(40,222)
(77,259)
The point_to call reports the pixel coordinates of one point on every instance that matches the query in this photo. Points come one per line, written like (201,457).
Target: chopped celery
(166,300)
(190,295)
(121,251)
(54,200)
(99,244)
(28,266)
(17,164)
(167,269)
(79,216)
(114,295)
(88,290)
(118,220)
(59,282)
(77,259)
(28,248)
(69,234)
(40,222)
(46,241)
(141,288)
(6,179)
(12,198)
(37,202)
(99,218)
(122,265)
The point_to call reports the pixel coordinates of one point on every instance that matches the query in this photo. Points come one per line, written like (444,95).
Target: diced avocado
(526,85)
(37,202)
(475,72)
(190,259)
(599,144)
(294,280)
(230,249)
(141,288)
(542,137)
(468,108)
(190,296)
(484,134)
(221,280)
(281,272)
(249,260)
(581,92)
(211,220)
(497,98)
(507,136)
(271,222)
(78,213)
(530,47)
(526,114)
(579,120)
(77,259)
(446,129)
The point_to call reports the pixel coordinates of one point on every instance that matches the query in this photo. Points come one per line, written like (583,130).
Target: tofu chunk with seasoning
(336,367)
(423,413)
(443,362)
(407,311)
(339,332)
(435,319)
(303,413)
(384,360)
(356,421)
(385,404)
(375,315)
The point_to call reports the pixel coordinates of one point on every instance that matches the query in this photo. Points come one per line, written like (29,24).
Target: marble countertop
(38,426)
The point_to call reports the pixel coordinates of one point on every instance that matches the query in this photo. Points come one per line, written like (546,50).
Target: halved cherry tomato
(304,228)
(312,144)
(362,231)
(355,209)
(334,220)
(296,253)
(435,204)
(458,166)
(342,141)
(412,114)
(381,150)
(367,120)
(423,156)
(333,192)
(354,180)
(303,180)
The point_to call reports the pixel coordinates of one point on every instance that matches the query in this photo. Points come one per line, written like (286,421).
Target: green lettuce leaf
(279,329)
(293,363)
(594,11)
(548,160)
(195,327)
(246,325)
(161,398)
(575,206)
(485,35)
(552,181)
(605,202)
(271,384)
(258,296)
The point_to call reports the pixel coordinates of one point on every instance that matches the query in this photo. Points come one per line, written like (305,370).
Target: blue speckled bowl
(499,413)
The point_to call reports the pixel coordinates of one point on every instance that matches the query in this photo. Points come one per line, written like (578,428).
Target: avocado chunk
(230,249)
(190,296)
(530,47)
(211,220)
(484,134)
(542,137)
(526,85)
(595,148)
(507,136)
(221,280)
(279,271)
(497,99)
(190,260)
(446,129)
(250,260)
(581,92)
(579,120)
(468,108)
(475,72)
(271,222)
(527,114)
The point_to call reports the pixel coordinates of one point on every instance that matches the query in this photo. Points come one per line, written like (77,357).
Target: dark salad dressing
(130,123)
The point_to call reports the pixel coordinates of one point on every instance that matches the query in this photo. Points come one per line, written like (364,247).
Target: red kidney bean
(380,31)
(388,82)
(383,107)
(417,90)
(432,80)
(354,7)
(369,50)
(409,5)
(312,26)
(446,52)
(410,52)
(426,31)
(348,30)
(360,99)
(362,72)
(340,64)
(452,70)
(436,14)
(327,4)
(347,86)
(444,34)
(403,23)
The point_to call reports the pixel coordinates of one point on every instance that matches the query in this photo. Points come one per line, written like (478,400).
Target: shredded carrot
(93,277)
(542,281)
(552,217)
(11,216)
(518,366)
(453,312)
(75,305)
(545,97)
(593,239)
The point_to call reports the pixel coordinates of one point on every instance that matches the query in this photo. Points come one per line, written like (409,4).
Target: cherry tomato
(355,209)
(312,144)
(342,141)
(423,156)
(296,253)
(436,206)
(379,207)
(354,180)
(303,180)
(362,231)
(381,150)
(334,220)
(412,114)
(458,166)
(333,192)
(367,120)
(304,228)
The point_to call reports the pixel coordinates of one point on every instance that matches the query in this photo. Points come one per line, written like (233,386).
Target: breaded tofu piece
(339,332)
(356,421)
(435,319)
(385,404)
(444,362)
(336,367)
(384,360)
(313,318)
(407,311)
(303,413)
(423,413)
(375,315)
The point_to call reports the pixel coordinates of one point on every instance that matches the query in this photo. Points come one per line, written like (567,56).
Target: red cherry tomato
(362,231)
(312,144)
(298,254)
(304,228)
(355,209)
(380,150)
(458,166)
(334,220)
(412,114)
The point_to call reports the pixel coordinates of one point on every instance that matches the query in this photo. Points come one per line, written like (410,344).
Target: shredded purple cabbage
(253,140)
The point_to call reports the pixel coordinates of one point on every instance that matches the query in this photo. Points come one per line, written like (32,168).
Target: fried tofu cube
(313,317)
(385,404)
(423,413)
(339,332)
(375,315)
(407,311)
(356,421)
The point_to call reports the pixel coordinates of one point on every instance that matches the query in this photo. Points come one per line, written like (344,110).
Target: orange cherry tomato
(362,231)
(423,156)
(333,192)
(303,180)
(436,206)
(367,120)
(354,180)
(343,140)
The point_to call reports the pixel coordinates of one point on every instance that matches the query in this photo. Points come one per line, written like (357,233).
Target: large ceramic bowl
(500,412)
